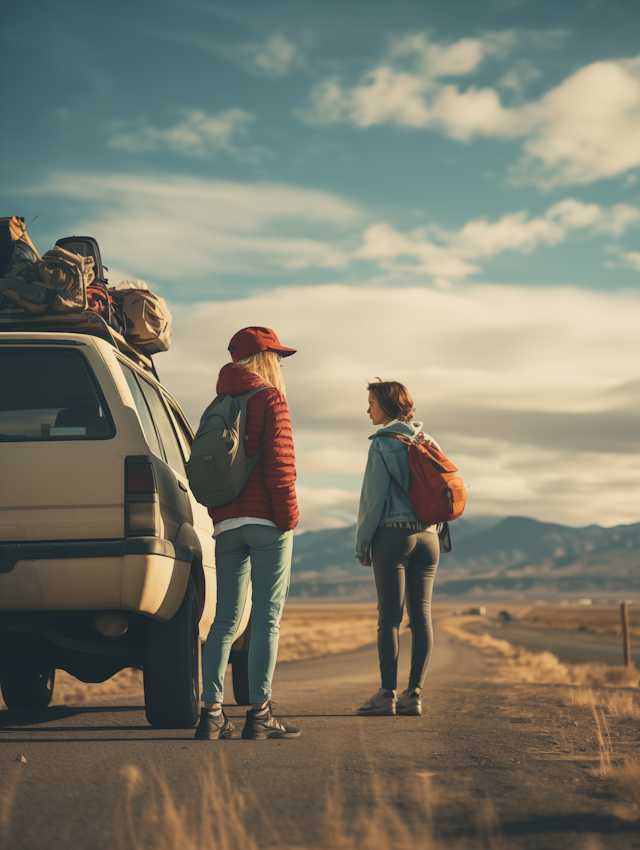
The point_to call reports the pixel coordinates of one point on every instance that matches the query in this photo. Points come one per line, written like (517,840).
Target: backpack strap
(260,453)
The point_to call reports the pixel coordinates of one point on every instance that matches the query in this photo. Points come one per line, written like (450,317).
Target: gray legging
(404,563)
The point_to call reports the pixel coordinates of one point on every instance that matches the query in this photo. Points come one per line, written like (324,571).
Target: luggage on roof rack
(146,317)
(57,283)
(70,280)
(12,231)
(85,246)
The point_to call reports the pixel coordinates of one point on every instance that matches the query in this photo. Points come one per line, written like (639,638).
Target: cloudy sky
(443,194)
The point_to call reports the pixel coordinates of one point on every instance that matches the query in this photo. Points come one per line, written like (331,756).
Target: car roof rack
(86,322)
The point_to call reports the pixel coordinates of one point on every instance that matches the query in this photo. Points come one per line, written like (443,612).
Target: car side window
(167,434)
(184,434)
(143,411)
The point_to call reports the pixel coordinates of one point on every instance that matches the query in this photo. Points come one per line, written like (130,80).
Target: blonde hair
(265,364)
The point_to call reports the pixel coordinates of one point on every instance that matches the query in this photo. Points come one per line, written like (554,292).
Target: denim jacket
(381,500)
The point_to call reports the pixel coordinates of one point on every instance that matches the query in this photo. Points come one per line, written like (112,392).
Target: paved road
(572,647)
(76,756)
(70,793)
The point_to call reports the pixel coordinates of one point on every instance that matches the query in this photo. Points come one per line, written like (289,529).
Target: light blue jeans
(263,554)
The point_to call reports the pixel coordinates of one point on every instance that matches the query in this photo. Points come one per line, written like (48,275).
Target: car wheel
(240,676)
(26,686)
(171,667)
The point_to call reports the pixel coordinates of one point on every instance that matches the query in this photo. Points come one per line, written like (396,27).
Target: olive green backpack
(218,467)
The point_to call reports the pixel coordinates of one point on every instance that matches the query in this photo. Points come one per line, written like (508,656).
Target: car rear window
(48,394)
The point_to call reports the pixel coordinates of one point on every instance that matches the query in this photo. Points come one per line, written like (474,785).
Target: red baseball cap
(250,341)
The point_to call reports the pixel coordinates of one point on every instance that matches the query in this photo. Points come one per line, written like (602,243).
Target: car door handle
(182,487)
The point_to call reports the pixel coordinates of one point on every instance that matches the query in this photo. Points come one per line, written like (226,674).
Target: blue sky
(361,153)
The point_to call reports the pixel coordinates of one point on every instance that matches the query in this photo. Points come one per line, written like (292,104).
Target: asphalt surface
(477,741)
(572,647)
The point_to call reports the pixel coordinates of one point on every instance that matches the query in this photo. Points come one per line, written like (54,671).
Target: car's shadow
(19,719)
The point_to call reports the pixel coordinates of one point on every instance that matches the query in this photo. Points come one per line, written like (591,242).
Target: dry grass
(596,619)
(624,770)
(521,665)
(604,744)
(221,817)
(627,776)
(308,631)
(610,708)
(71,691)
(621,705)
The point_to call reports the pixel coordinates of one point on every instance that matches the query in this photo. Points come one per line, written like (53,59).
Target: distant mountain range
(490,557)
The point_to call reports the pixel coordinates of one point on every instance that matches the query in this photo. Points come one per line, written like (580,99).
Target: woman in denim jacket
(403,551)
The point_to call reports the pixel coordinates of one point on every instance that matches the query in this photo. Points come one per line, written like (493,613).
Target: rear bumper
(146,575)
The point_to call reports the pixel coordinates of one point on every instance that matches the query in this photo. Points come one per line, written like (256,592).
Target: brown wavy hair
(393,398)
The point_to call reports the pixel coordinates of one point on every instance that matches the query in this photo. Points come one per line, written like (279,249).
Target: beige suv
(106,558)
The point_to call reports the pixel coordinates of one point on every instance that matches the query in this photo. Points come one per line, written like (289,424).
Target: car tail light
(140,478)
(142,508)
(143,519)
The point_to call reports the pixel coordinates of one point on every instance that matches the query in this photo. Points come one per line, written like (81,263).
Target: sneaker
(409,702)
(381,704)
(261,724)
(213,726)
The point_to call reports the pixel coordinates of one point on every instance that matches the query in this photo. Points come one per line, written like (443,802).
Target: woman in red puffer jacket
(254,539)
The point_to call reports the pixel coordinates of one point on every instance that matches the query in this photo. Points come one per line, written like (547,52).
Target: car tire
(26,686)
(171,670)
(240,676)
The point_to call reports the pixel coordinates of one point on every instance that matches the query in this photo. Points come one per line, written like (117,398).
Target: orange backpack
(437,492)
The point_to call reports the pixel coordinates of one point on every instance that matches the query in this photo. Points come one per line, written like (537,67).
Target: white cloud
(391,93)
(451,254)
(624,259)
(518,77)
(633,259)
(588,127)
(198,134)
(276,57)
(584,129)
(408,88)
(452,60)
(179,225)
(170,228)
(528,389)
(273,57)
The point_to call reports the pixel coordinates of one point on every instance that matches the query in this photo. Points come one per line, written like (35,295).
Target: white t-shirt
(238,522)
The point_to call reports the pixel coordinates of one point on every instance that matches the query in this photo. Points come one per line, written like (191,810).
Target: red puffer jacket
(269,492)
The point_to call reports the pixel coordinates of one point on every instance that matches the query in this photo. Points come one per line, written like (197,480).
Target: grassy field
(308,631)
(597,619)
(516,664)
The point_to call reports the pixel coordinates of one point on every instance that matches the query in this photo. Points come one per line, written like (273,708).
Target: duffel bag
(21,289)
(30,297)
(65,272)
(147,320)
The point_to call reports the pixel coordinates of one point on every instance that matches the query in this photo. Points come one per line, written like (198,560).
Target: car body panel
(56,491)
(67,490)
(146,584)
